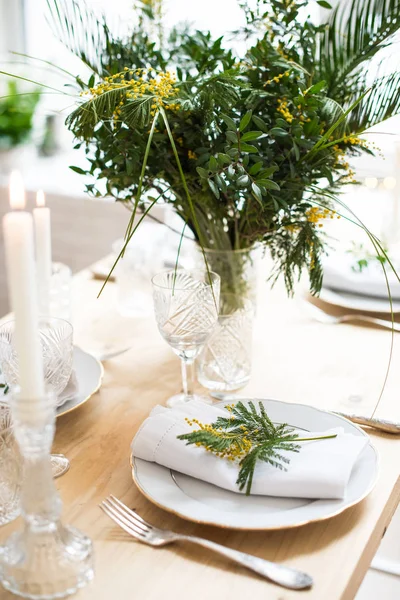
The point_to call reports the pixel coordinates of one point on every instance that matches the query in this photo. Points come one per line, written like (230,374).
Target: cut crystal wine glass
(186,308)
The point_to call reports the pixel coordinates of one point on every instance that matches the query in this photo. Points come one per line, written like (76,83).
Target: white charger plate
(202,502)
(89,374)
(358,302)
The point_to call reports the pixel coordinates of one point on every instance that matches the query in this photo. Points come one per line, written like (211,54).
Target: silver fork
(138,528)
(320,315)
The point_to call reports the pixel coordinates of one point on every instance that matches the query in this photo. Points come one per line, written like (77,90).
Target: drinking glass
(44,559)
(56,337)
(186,308)
(225,362)
(10,468)
(60,291)
(141,260)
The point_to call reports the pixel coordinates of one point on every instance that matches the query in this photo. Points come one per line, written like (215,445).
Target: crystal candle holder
(10,468)
(45,559)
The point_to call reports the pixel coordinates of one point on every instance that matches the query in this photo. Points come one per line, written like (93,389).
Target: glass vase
(44,559)
(225,362)
(238,270)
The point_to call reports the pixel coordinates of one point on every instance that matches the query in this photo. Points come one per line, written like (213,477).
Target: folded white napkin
(339,275)
(320,470)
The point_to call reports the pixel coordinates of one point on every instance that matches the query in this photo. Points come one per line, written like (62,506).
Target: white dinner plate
(88,376)
(358,302)
(203,502)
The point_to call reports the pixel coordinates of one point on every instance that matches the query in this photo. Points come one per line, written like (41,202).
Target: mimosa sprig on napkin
(247,436)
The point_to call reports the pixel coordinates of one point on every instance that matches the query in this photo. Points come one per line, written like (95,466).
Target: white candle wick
(40,199)
(17,191)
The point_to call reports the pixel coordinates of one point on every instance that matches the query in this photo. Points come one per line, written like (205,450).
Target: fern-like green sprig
(247,436)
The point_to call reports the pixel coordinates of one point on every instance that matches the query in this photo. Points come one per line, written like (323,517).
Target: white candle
(21,277)
(41,217)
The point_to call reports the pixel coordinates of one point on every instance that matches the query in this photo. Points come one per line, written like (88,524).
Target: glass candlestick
(46,559)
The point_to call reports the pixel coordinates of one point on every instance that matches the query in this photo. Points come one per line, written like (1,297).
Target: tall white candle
(41,217)
(21,277)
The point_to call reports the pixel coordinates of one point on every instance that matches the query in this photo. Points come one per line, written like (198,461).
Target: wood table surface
(339,367)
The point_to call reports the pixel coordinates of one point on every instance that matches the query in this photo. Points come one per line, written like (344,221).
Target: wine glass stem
(187,378)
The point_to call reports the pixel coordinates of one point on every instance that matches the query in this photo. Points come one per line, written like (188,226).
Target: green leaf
(214,188)
(296,151)
(260,124)
(243,181)
(314,89)
(268,184)
(255,168)
(248,148)
(224,159)
(220,183)
(257,192)
(230,123)
(78,170)
(278,132)
(232,137)
(251,135)
(282,123)
(324,4)
(130,165)
(213,163)
(266,173)
(245,120)
(202,172)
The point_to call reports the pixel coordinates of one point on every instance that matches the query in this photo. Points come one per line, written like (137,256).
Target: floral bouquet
(249,150)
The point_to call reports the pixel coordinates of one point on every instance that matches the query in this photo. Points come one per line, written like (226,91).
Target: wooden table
(295,359)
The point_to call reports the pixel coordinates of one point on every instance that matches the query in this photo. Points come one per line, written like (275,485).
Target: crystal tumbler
(56,337)
(225,362)
(10,468)
(60,291)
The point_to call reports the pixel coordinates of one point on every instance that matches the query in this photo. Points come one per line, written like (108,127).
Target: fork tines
(126,518)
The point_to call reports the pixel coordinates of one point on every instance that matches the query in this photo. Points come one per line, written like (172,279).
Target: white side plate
(88,376)
(202,502)
(358,302)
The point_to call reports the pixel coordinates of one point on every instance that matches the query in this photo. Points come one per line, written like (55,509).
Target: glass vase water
(225,362)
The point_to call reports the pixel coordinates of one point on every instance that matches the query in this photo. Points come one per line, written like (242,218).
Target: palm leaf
(84,118)
(137,113)
(78,28)
(380,104)
(355,33)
